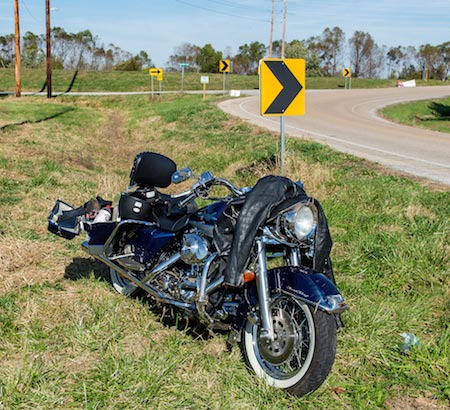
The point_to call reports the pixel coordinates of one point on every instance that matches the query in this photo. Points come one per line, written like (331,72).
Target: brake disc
(280,349)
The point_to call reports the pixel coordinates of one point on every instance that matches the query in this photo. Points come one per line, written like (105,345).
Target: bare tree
(184,53)
(7,53)
(366,56)
(332,47)
(395,56)
(430,61)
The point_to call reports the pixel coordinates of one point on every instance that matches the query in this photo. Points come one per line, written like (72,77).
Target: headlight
(301,222)
(298,223)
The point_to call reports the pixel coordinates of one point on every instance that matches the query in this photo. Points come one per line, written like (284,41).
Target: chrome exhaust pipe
(157,294)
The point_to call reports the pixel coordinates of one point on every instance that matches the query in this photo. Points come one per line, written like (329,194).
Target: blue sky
(159,26)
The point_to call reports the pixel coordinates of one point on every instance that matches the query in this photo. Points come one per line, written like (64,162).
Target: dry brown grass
(27,262)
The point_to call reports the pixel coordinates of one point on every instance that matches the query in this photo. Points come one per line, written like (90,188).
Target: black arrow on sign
(224,66)
(346,72)
(291,87)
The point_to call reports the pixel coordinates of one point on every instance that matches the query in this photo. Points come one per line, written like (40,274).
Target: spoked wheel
(302,353)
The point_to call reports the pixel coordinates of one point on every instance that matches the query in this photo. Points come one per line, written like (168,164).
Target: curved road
(347,121)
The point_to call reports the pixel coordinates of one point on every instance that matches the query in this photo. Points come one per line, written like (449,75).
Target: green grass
(431,114)
(67,341)
(33,80)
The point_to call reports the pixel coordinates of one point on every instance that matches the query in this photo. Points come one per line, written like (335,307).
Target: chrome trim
(215,285)
(270,238)
(125,255)
(294,257)
(262,285)
(202,299)
(157,294)
(161,267)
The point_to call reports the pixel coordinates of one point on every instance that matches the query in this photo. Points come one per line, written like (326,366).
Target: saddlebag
(133,207)
(64,220)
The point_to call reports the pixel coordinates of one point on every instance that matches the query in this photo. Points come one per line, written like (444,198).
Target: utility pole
(49,52)
(17,26)
(282,128)
(271,29)
(283,41)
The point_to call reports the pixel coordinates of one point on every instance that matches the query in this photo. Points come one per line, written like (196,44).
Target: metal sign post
(183,66)
(153,87)
(224,67)
(347,73)
(155,72)
(224,77)
(282,145)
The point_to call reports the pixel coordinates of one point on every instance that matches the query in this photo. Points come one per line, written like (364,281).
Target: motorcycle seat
(171,224)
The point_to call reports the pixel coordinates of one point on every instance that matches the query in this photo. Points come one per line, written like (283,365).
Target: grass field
(430,114)
(67,341)
(34,81)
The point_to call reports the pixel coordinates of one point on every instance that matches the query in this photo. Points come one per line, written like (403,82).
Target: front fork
(262,285)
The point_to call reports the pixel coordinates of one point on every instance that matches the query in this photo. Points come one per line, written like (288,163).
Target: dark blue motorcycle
(254,262)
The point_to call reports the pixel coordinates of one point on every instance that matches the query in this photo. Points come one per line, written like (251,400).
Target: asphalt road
(347,121)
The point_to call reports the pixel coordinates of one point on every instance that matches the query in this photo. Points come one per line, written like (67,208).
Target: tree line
(70,51)
(325,55)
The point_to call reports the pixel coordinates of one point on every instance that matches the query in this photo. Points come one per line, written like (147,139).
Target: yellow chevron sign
(282,86)
(224,66)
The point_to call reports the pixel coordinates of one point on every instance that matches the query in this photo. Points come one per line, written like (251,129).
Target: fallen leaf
(339,390)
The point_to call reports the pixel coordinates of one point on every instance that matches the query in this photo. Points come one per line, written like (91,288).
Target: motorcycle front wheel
(302,353)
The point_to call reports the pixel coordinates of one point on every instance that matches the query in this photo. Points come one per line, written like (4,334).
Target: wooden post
(17,26)
(283,41)
(49,52)
(271,29)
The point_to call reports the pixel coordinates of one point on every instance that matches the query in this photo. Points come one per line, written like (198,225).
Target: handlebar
(204,183)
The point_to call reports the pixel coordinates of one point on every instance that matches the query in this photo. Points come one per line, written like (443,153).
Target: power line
(222,12)
(233,4)
(29,12)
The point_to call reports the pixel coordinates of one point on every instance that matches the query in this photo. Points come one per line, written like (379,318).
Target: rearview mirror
(181,175)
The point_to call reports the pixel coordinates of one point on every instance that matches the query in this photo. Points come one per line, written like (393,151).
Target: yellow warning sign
(282,86)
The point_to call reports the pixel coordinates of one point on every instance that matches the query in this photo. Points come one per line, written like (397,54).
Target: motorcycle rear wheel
(303,352)
(122,285)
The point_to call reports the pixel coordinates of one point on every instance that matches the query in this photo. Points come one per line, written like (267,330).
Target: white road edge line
(241,106)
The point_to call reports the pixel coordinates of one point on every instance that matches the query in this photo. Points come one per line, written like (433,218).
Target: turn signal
(248,276)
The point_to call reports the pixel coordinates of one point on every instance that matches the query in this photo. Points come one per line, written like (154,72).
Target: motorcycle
(254,262)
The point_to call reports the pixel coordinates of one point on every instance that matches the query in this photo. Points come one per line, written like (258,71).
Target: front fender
(308,286)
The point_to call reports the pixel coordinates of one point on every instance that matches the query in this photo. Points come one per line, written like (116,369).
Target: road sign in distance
(204,79)
(282,87)
(155,72)
(347,72)
(224,66)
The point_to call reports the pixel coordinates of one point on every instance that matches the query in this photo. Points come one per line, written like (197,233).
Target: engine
(182,280)
(194,249)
